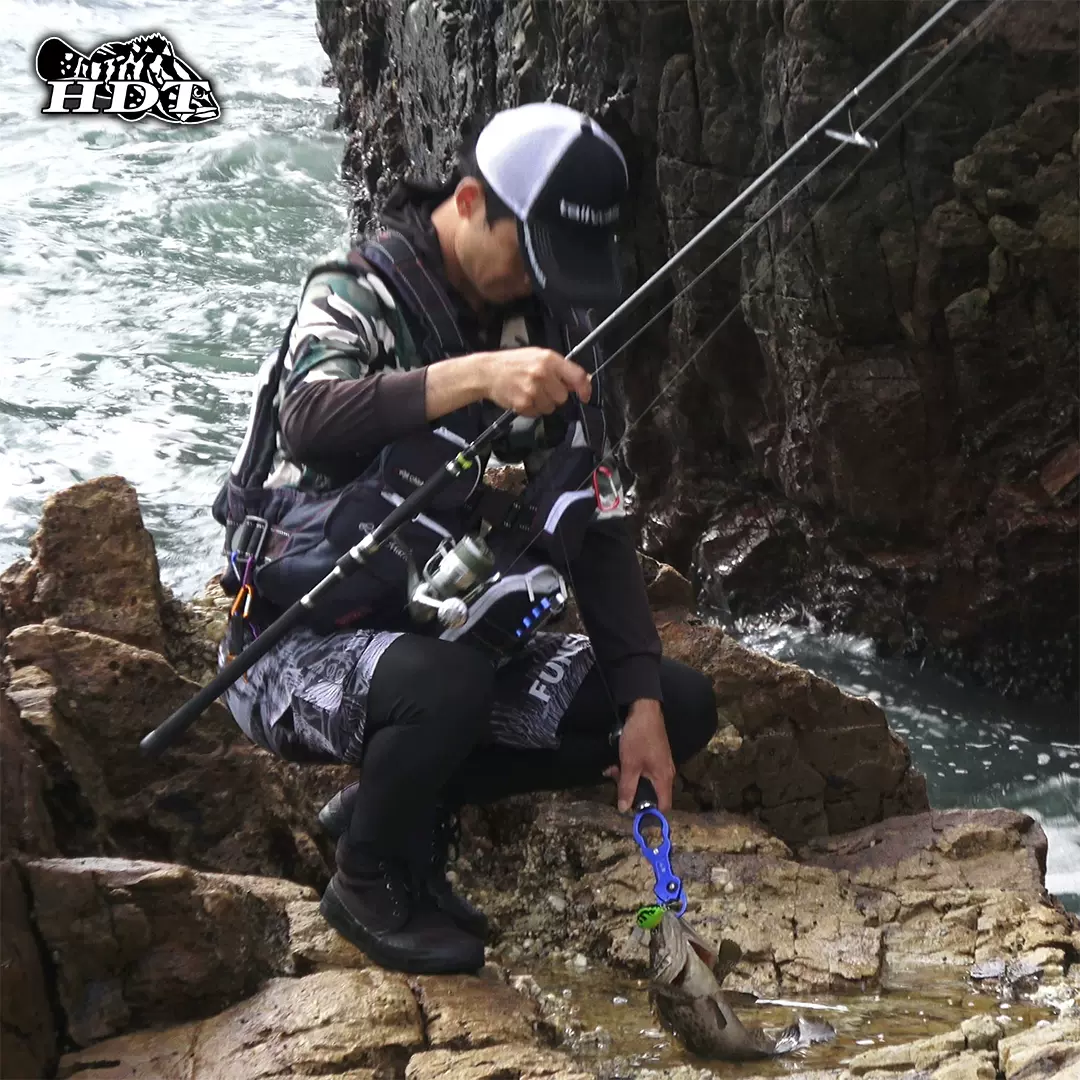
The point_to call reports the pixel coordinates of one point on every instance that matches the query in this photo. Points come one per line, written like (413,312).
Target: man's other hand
(644,751)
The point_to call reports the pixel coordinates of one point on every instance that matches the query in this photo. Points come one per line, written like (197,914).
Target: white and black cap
(565,179)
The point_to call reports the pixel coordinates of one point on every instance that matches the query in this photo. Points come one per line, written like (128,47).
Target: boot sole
(387,956)
(331,822)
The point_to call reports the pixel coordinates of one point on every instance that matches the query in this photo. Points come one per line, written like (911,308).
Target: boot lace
(447,839)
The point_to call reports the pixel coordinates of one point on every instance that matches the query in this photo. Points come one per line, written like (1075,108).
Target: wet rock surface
(878,433)
(1044,1051)
(470,1014)
(935,890)
(519,1062)
(28,1037)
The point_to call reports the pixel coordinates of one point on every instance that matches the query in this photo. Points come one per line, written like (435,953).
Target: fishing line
(985,15)
(972,27)
(758,182)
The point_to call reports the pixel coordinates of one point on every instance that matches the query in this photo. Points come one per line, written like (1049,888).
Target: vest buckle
(249,538)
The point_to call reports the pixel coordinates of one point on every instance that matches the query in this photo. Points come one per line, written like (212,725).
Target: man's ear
(469,197)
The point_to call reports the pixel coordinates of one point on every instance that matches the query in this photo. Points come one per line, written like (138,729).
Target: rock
(968,316)
(315,946)
(808,758)
(193,630)
(28,1030)
(25,824)
(472,1012)
(968,884)
(920,1054)
(361,1025)
(1015,239)
(505,1062)
(981,1032)
(214,800)
(968,1066)
(135,944)
(667,589)
(1039,1052)
(1042,962)
(1062,469)
(751,554)
(93,566)
(17,584)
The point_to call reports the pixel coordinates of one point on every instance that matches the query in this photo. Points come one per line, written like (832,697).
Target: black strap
(390,252)
(497,508)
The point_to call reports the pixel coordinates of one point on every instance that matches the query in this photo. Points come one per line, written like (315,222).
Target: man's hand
(644,751)
(534,382)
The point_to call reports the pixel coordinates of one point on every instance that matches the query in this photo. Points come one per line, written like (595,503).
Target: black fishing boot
(428,860)
(369,902)
(335,816)
(429,872)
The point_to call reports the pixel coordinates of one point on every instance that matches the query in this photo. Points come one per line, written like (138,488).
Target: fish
(685,973)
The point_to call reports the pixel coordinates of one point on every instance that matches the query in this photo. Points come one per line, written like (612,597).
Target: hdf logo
(127,79)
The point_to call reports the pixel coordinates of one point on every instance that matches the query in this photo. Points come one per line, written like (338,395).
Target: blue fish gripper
(668,887)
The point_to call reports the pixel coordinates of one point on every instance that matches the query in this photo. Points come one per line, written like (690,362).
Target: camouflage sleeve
(348,386)
(343,331)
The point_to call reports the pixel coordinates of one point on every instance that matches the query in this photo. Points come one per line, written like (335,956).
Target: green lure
(650,916)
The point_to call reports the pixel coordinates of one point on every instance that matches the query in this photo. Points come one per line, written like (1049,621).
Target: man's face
(489,255)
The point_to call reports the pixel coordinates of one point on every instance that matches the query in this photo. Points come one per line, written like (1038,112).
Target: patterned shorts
(309,693)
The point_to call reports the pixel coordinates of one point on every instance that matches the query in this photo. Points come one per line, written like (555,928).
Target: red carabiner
(596,489)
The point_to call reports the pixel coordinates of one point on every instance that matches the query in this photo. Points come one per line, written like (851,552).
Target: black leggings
(427,715)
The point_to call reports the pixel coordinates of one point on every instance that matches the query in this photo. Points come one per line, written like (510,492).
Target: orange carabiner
(245,591)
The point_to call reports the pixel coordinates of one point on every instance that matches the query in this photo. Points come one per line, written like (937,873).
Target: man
(503,258)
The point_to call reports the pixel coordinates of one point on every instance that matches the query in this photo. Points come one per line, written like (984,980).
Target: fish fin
(715,1011)
(727,957)
(787,1040)
(815,1031)
(803,1033)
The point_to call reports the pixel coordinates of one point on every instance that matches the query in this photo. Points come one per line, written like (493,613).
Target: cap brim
(572,265)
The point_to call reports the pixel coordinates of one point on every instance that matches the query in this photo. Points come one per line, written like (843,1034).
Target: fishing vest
(281,541)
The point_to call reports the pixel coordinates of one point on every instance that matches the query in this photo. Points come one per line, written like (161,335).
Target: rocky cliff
(883,433)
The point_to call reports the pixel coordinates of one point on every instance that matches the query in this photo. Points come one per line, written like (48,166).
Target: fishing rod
(165,734)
